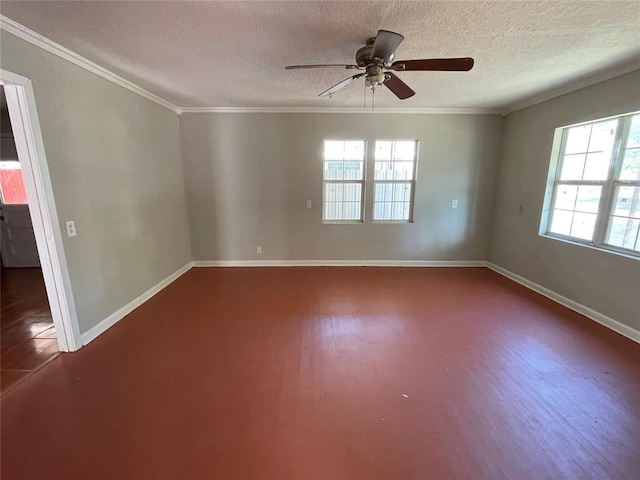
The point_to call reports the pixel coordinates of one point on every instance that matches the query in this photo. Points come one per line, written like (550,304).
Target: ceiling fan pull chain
(364,95)
(373,97)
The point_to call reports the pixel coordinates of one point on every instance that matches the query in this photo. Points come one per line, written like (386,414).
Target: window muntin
(343,188)
(596,189)
(394,180)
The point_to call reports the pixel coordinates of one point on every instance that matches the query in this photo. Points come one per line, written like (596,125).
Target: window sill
(342,222)
(604,249)
(392,222)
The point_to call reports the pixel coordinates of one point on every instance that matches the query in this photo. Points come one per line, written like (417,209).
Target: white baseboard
(339,263)
(602,319)
(116,316)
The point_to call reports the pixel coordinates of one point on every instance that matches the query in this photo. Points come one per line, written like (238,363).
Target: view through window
(12,188)
(596,189)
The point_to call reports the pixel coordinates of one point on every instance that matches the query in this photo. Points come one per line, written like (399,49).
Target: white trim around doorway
(31,154)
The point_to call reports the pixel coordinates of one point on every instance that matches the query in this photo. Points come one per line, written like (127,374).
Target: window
(11,185)
(394,178)
(595,196)
(343,180)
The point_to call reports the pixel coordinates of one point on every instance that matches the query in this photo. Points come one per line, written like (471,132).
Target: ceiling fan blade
(398,87)
(434,64)
(340,86)
(385,45)
(330,65)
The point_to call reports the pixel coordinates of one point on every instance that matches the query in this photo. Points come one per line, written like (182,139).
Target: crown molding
(20,31)
(422,111)
(573,86)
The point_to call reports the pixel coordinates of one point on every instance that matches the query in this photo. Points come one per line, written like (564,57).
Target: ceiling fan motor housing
(363,55)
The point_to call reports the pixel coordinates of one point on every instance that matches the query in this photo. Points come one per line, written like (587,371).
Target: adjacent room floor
(27,335)
(334,373)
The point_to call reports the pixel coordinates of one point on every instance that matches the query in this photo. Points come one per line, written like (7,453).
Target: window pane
(352,192)
(561,222)
(386,211)
(634,132)
(383,150)
(572,167)
(624,233)
(344,150)
(401,192)
(353,170)
(354,150)
(395,160)
(352,211)
(566,197)
(602,136)
(334,170)
(597,166)
(396,211)
(331,211)
(403,170)
(583,225)
(627,202)
(342,201)
(631,165)
(11,183)
(596,139)
(377,210)
(588,198)
(578,139)
(392,201)
(404,150)
(333,150)
(383,171)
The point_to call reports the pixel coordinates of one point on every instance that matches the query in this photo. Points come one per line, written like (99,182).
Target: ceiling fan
(376,59)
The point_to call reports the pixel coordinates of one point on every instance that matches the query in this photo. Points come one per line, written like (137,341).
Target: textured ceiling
(232,54)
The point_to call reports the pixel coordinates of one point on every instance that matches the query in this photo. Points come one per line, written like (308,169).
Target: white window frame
(361,182)
(412,181)
(605,208)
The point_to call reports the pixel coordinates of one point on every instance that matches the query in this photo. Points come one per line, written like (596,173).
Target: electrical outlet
(308,203)
(454,203)
(71,229)
(259,250)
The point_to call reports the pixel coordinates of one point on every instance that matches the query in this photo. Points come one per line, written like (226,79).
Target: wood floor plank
(334,373)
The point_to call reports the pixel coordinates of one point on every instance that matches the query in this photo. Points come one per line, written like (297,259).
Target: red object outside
(12,187)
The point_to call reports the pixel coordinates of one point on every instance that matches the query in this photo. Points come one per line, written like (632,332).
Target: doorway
(27,335)
(38,319)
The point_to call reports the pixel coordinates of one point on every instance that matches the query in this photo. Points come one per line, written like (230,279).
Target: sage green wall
(115,166)
(605,282)
(116,169)
(249,175)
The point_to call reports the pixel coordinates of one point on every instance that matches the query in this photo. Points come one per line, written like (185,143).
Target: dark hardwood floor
(334,373)
(27,335)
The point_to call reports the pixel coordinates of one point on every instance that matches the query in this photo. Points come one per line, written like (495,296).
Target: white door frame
(21,103)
